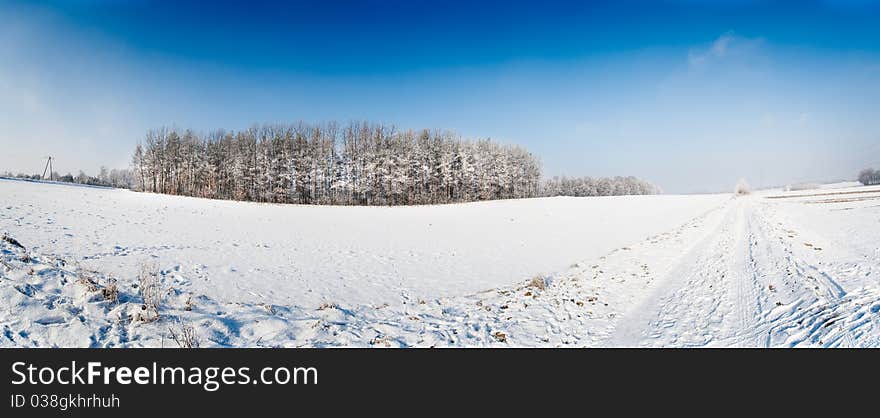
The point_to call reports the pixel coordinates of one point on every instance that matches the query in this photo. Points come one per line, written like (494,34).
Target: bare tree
(869,177)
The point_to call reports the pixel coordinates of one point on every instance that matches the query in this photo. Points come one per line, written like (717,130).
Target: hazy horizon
(687,95)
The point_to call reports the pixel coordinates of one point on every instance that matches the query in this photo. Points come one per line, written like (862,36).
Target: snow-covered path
(755,281)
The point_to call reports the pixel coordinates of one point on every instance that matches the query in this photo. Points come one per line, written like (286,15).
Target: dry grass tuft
(538,282)
(184,335)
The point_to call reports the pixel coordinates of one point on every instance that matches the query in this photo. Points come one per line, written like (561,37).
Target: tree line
(355,164)
(869,177)
(604,186)
(122,178)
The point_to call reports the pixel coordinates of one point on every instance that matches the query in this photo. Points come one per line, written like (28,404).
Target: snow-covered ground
(774,268)
(310,255)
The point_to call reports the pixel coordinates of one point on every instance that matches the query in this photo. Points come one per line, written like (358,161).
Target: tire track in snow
(747,283)
(745,286)
(692,304)
(817,300)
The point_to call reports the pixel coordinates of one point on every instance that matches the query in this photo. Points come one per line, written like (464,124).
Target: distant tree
(869,176)
(104,175)
(742,188)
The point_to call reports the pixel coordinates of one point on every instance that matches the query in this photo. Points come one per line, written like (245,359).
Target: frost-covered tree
(742,188)
(355,164)
(586,186)
(869,176)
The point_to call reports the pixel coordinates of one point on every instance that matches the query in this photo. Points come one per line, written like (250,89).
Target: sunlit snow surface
(775,268)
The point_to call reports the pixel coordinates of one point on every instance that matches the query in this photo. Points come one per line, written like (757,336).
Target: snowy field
(310,255)
(775,268)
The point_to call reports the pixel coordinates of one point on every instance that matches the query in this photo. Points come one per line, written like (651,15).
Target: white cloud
(729,44)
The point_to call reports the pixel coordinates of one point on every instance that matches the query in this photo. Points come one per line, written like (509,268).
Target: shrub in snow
(111,292)
(184,335)
(90,285)
(538,282)
(90,280)
(742,188)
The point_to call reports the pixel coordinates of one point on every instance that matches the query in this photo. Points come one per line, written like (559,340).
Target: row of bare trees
(603,186)
(355,164)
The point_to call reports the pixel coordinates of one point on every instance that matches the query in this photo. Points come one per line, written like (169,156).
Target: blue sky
(692,95)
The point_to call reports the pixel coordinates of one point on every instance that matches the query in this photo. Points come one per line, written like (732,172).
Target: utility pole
(48,167)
